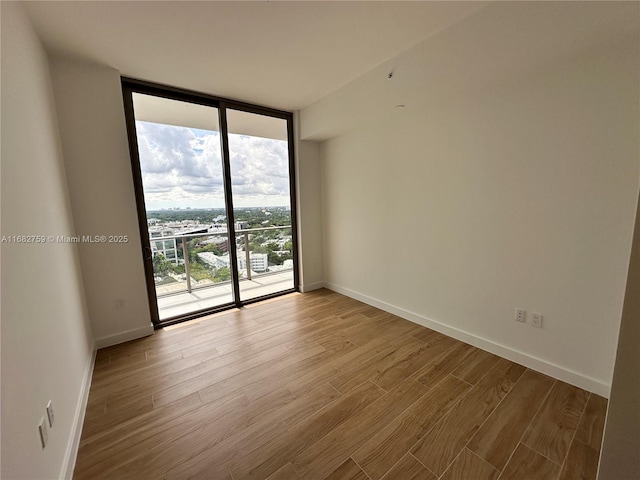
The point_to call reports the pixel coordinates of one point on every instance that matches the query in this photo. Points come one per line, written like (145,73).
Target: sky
(182,167)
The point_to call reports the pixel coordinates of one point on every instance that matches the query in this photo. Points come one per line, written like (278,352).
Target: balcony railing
(182,271)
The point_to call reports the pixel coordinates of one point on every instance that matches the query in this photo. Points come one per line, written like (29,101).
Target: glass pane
(181,163)
(259,155)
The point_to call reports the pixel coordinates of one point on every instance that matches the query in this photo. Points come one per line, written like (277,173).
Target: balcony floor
(176,304)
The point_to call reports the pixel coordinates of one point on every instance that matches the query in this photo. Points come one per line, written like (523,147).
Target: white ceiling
(284,55)
(504,42)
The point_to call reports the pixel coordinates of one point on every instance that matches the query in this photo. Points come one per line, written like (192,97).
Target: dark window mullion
(293,195)
(228,200)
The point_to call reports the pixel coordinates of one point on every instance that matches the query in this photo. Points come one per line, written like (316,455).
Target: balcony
(192,271)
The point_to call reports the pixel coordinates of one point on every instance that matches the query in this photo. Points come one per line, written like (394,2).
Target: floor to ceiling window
(215,196)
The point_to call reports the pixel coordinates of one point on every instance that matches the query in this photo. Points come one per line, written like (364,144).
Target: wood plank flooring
(321,386)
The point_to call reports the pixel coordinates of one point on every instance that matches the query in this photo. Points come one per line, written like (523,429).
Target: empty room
(320,240)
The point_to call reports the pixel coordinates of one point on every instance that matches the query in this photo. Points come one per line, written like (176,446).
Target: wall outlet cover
(536,319)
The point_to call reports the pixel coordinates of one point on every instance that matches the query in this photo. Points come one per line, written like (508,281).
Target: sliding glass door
(215,198)
(259,161)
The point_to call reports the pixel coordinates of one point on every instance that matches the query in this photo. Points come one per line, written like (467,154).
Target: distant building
(190,229)
(216,261)
(166,247)
(259,262)
(221,242)
(242,225)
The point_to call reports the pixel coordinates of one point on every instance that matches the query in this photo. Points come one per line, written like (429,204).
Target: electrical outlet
(50,414)
(119,304)
(521,315)
(536,319)
(44,434)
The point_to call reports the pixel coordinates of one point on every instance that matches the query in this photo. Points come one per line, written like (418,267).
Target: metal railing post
(246,254)
(187,271)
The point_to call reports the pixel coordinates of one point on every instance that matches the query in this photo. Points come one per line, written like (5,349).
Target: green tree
(257,248)
(222,274)
(278,259)
(177,268)
(200,272)
(161,266)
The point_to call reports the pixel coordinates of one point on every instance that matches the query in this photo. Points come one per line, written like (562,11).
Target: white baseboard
(76,429)
(569,376)
(311,286)
(124,337)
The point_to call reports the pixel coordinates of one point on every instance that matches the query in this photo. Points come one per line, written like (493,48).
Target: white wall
(518,194)
(46,338)
(309,204)
(92,127)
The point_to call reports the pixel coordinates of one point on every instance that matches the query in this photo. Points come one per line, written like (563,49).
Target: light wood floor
(320,386)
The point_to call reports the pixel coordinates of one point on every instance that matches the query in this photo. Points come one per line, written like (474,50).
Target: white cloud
(182,167)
